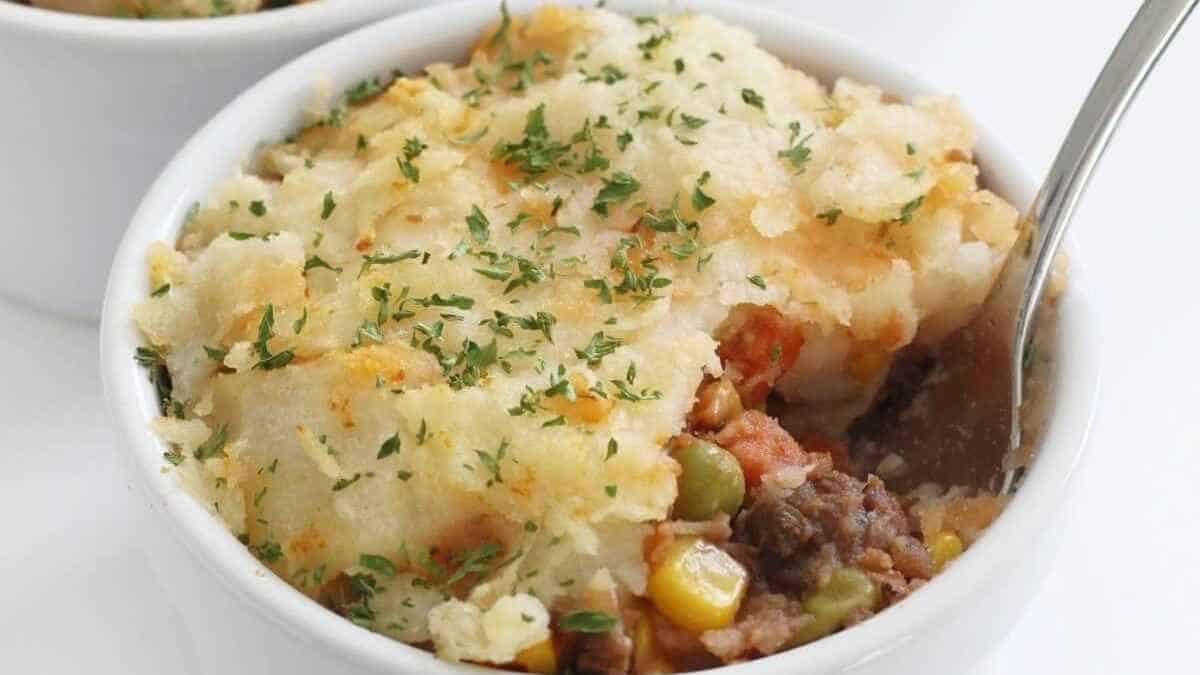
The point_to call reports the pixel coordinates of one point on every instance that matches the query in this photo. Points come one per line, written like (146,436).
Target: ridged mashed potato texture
(434,344)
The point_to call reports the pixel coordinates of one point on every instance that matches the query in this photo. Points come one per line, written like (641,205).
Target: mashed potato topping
(428,353)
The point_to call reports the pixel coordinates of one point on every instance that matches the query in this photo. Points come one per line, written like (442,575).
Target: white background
(77,594)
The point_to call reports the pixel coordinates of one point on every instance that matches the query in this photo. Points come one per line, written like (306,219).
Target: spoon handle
(1029,267)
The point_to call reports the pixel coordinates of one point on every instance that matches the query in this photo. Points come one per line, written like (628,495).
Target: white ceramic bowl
(94,107)
(941,629)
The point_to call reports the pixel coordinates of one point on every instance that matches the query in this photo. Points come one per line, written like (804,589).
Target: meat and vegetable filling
(564,359)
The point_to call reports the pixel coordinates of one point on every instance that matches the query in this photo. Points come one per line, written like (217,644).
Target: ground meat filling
(832,518)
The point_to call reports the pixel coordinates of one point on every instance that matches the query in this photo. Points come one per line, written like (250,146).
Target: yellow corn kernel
(697,586)
(944,547)
(539,658)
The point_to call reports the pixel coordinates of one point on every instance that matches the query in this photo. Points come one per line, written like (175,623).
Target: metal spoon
(963,423)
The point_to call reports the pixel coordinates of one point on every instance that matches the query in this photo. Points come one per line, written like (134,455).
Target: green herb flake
(588,621)
(298,324)
(378,564)
(381,258)
(317,262)
(619,188)
(268,551)
(214,446)
(258,208)
(478,225)
(624,139)
(757,280)
(910,208)
(216,353)
(327,205)
(389,447)
(160,291)
(700,200)
(752,98)
(830,216)
(343,483)
(597,348)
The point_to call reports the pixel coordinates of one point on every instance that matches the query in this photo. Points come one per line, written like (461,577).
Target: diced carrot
(758,345)
(762,446)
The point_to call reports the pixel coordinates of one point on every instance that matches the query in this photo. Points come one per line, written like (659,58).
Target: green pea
(848,590)
(711,481)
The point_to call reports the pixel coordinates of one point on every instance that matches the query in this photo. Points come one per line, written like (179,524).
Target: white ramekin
(941,629)
(94,107)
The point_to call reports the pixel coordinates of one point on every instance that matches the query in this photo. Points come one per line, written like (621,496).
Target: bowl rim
(323,17)
(160,214)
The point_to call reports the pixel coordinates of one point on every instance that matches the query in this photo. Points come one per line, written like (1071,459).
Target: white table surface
(77,593)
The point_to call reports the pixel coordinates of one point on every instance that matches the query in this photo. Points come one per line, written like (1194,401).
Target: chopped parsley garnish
(214,446)
(501,35)
(610,490)
(555,422)
(625,393)
(317,262)
(378,564)
(298,324)
(374,259)
(757,280)
(537,152)
(910,208)
(910,149)
(389,447)
(830,216)
(152,360)
(653,42)
(343,483)
(618,188)
(700,200)
(216,353)
(679,66)
(327,205)
(798,153)
(422,433)
(174,457)
(413,147)
(364,90)
(652,113)
(602,288)
(478,224)
(472,561)
(624,139)
(611,74)
(692,122)
(268,551)
(597,348)
(160,291)
(258,208)
(491,462)
(588,621)
(717,56)
(611,451)
(455,300)
(266,331)
(752,98)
